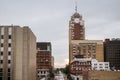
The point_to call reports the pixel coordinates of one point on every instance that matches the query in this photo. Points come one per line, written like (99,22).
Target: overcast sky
(49,20)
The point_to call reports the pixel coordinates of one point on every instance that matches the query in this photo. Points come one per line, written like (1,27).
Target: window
(106,67)
(73,35)
(94,56)
(9,53)
(8,74)
(1,70)
(8,78)
(1,78)
(9,45)
(1,44)
(1,61)
(81,32)
(9,61)
(1,53)
(84,51)
(41,72)
(2,37)
(9,37)
(1,74)
(8,69)
(100,64)
(94,51)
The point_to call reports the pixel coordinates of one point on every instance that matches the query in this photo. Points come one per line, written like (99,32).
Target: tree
(67,72)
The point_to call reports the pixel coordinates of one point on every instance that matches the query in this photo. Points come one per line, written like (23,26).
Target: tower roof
(76,15)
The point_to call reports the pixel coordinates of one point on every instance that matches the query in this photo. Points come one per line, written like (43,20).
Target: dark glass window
(9,45)
(1,44)
(1,78)
(9,53)
(2,37)
(8,69)
(9,61)
(8,78)
(9,36)
(8,74)
(1,70)
(1,53)
(1,61)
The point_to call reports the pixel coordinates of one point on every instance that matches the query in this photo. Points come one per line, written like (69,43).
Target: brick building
(79,67)
(44,53)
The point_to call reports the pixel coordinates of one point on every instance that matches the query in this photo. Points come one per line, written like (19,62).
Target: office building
(44,52)
(88,48)
(112,52)
(17,53)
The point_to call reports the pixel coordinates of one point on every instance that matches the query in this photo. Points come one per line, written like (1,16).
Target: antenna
(75,6)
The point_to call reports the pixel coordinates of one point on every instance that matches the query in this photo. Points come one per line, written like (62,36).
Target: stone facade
(87,48)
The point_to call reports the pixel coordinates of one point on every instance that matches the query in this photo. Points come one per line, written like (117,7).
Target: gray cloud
(49,19)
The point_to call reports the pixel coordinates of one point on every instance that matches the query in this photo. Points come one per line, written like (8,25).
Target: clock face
(76,20)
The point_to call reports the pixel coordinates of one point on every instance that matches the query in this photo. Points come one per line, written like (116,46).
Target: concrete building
(17,53)
(100,66)
(44,52)
(112,52)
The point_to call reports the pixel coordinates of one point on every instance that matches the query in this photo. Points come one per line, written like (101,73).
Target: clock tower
(76,27)
(78,45)
(76,33)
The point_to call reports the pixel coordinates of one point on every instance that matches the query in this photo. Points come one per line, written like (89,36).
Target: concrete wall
(22,57)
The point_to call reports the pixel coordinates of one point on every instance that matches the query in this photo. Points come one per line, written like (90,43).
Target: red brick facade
(80,67)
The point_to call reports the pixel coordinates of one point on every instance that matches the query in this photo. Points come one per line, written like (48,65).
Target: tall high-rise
(76,27)
(17,53)
(76,31)
(112,52)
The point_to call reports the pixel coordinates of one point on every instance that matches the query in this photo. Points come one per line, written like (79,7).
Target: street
(60,76)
